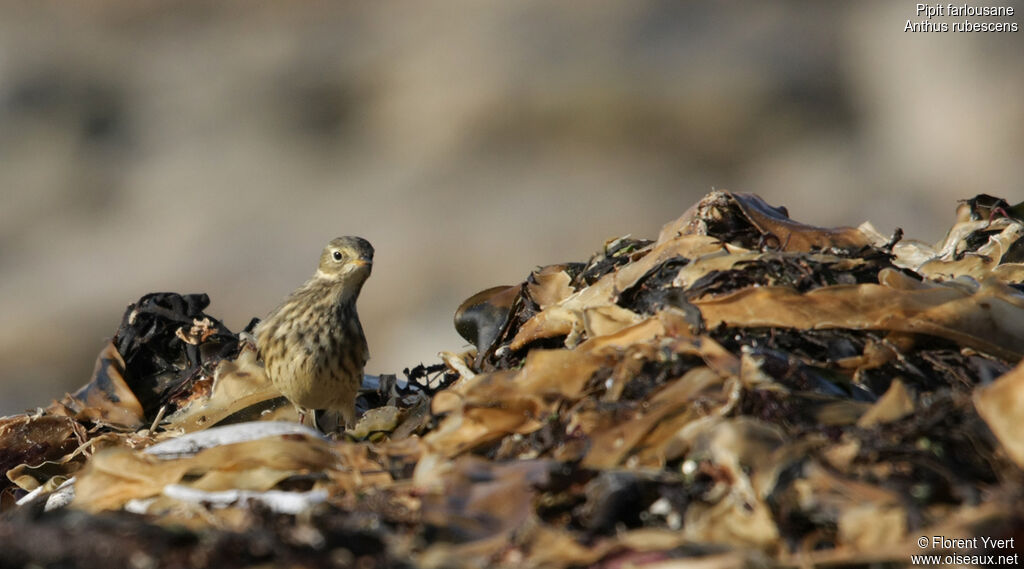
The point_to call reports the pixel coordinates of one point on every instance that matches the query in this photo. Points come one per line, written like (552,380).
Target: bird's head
(347,260)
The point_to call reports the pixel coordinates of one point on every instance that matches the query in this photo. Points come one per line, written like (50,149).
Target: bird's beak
(361,262)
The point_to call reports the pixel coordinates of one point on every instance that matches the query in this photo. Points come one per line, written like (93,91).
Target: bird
(312,345)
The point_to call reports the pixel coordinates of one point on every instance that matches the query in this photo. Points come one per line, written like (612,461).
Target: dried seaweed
(744,390)
(167,341)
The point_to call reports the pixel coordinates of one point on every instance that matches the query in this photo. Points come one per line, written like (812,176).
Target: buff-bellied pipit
(313,345)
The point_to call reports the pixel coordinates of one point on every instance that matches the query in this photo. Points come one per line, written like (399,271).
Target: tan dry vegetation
(745,389)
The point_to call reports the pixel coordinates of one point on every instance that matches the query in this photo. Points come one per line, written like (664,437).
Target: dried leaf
(870,526)
(748,214)
(237,385)
(106,398)
(117,475)
(28,441)
(897,403)
(991,319)
(1001,404)
(549,285)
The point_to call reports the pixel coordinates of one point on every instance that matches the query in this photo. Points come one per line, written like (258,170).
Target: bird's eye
(337,255)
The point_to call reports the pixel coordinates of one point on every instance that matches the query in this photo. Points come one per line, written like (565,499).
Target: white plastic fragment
(138,506)
(29,497)
(60,497)
(192,443)
(185,446)
(277,501)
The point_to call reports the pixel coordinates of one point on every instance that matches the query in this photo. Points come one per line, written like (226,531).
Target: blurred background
(216,147)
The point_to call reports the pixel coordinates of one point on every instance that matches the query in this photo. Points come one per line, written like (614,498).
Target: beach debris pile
(743,388)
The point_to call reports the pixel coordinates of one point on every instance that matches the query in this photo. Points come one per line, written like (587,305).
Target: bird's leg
(348,418)
(303,412)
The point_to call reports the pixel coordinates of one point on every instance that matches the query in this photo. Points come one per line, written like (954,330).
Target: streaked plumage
(313,345)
